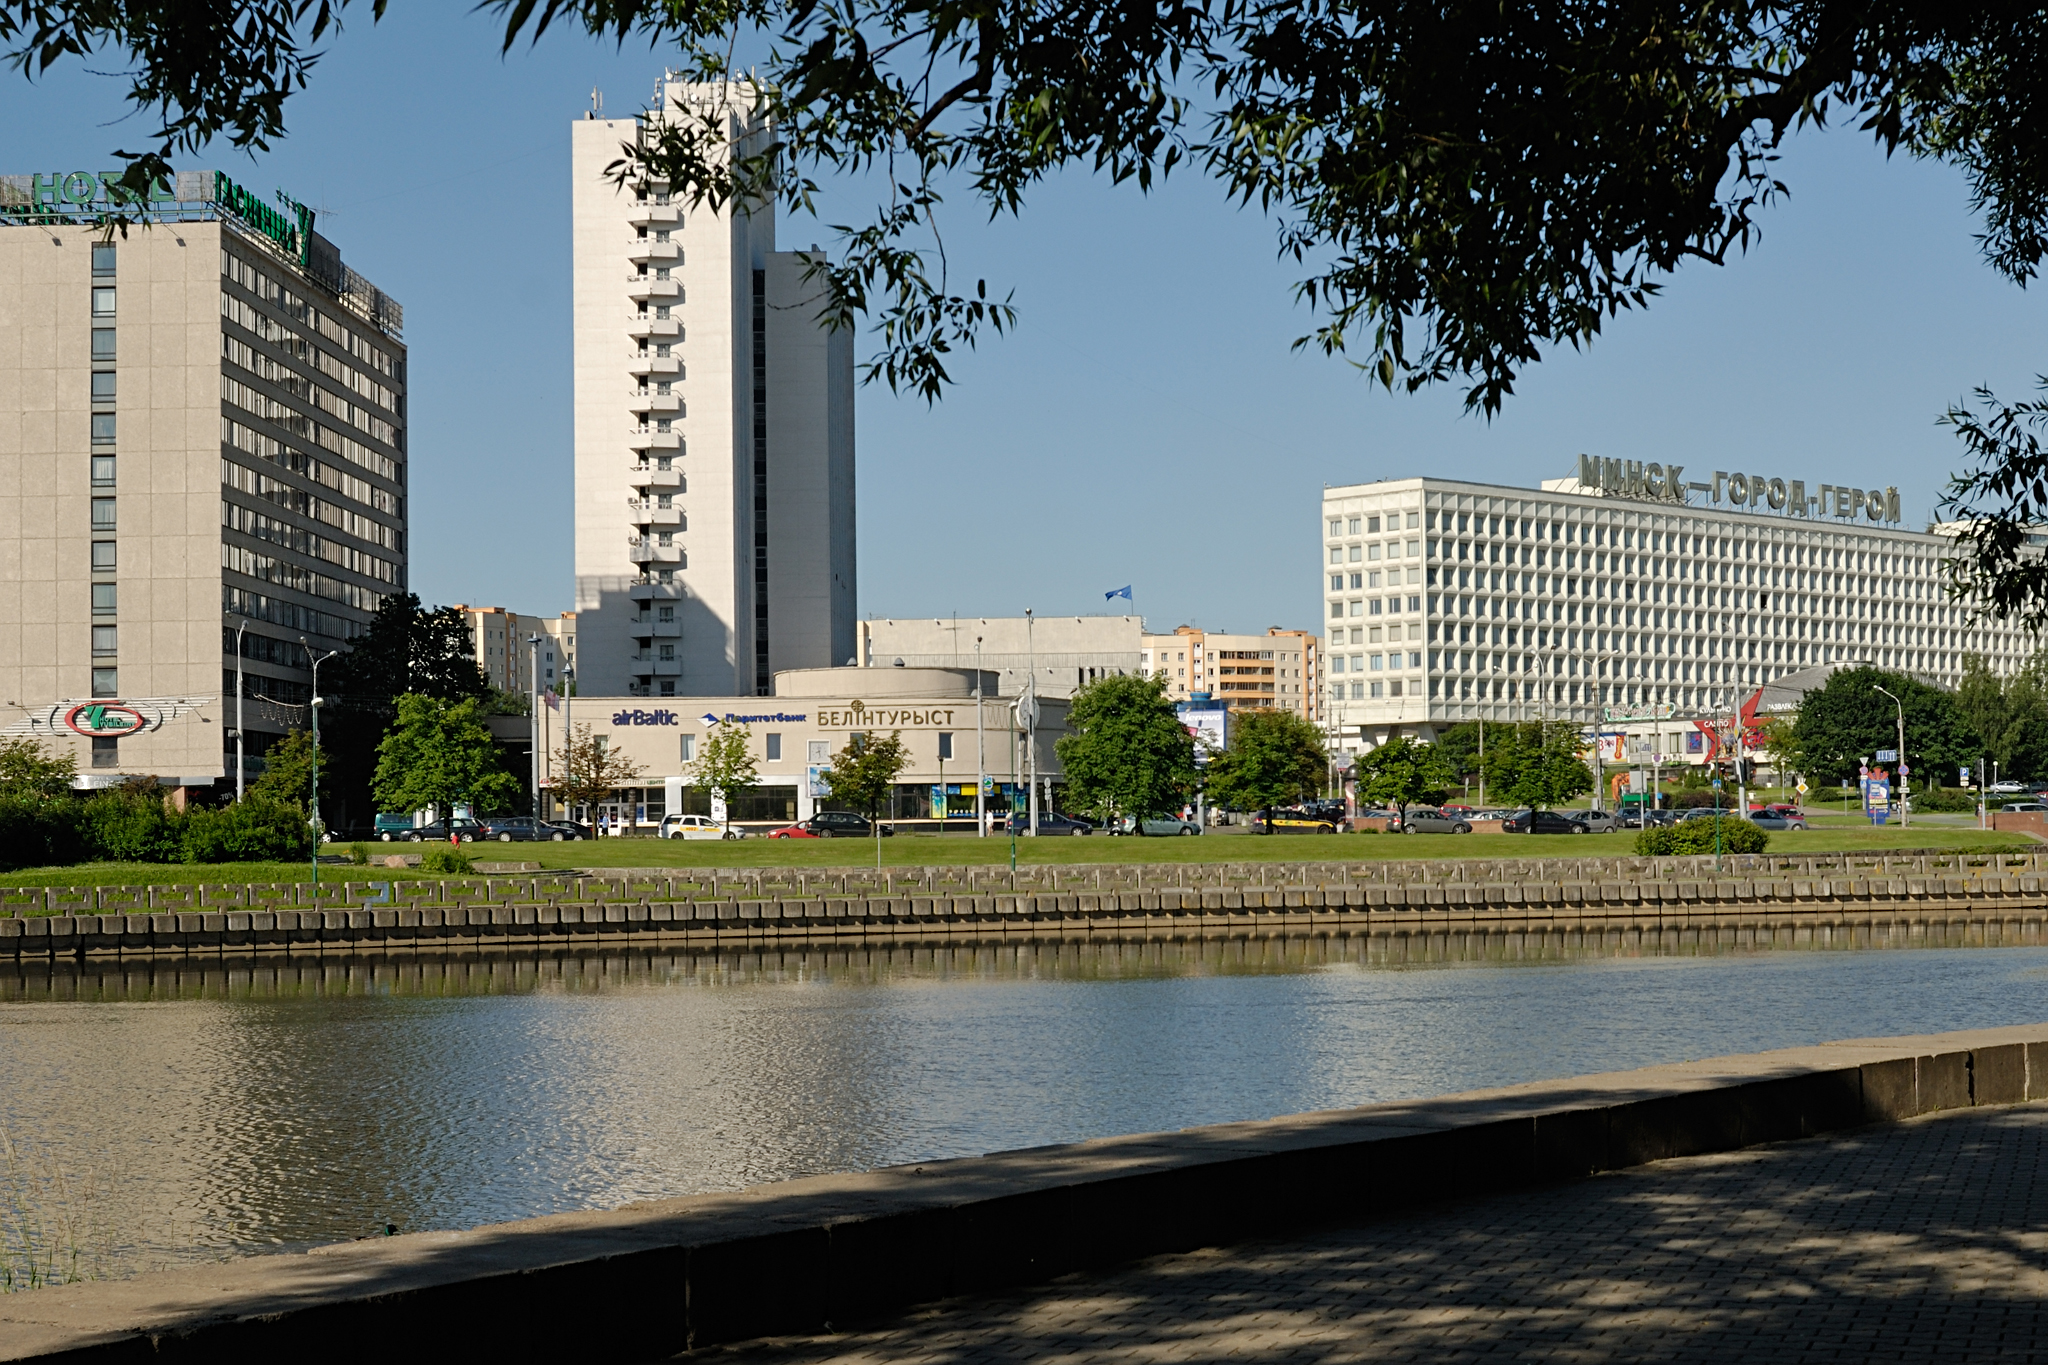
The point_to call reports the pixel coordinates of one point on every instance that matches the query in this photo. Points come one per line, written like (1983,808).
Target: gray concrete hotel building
(202,439)
(1622,587)
(714,432)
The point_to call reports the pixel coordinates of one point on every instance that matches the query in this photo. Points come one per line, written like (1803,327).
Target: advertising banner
(1210,725)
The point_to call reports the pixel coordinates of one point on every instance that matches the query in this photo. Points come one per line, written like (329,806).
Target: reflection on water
(244,1104)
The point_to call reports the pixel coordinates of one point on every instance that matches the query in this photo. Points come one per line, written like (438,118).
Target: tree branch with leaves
(589,769)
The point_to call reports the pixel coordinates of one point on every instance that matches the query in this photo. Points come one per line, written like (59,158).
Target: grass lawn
(936,850)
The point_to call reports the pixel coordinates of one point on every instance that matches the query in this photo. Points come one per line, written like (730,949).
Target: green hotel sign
(70,193)
(292,232)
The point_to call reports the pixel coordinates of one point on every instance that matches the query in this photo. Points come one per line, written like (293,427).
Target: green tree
(1273,757)
(1401,773)
(2009,716)
(1536,763)
(1459,746)
(1848,720)
(1126,751)
(863,774)
(29,771)
(438,753)
(726,767)
(288,771)
(588,769)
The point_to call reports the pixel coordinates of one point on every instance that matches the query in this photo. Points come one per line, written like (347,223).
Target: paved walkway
(1924,1241)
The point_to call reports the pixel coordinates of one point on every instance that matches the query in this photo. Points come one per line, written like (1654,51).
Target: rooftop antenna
(596,103)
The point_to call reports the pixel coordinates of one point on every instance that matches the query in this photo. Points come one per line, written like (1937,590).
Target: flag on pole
(554,703)
(1123,592)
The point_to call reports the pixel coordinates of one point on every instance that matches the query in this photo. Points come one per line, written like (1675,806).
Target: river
(159,1112)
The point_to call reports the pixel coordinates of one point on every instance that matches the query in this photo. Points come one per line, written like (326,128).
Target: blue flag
(1123,592)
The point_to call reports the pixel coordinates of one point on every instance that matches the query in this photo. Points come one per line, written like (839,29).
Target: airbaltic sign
(1655,482)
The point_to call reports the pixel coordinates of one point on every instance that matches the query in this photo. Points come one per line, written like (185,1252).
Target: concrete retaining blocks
(654,1279)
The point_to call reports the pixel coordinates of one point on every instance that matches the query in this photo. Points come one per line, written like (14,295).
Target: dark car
(1049,822)
(509,829)
(1654,818)
(830,824)
(1543,822)
(441,831)
(560,830)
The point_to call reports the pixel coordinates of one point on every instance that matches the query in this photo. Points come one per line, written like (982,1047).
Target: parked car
(1434,820)
(1300,822)
(1708,813)
(1466,812)
(2006,788)
(694,827)
(1154,824)
(441,831)
(1049,822)
(392,826)
(569,831)
(509,829)
(1654,818)
(1597,821)
(830,824)
(2024,805)
(1545,822)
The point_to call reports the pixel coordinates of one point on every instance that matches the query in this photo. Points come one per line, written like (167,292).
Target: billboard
(1210,725)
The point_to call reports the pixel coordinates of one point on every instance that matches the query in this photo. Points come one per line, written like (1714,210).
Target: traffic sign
(1802,786)
(1887,755)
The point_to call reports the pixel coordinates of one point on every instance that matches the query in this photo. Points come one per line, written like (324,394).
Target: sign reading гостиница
(75,191)
(1654,482)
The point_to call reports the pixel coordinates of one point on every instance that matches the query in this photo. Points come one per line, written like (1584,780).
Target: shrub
(1697,836)
(449,860)
(38,833)
(253,830)
(1955,800)
(1700,796)
(359,854)
(129,825)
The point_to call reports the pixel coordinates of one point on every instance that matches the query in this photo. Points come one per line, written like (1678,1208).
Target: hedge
(1697,836)
(140,826)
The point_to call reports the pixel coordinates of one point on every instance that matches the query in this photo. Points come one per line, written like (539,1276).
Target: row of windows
(252,442)
(257,484)
(104,509)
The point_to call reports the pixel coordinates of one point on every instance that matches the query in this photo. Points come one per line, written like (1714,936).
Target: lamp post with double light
(241,763)
(314,710)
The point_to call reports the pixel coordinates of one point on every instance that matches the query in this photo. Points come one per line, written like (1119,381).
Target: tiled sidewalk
(1924,1241)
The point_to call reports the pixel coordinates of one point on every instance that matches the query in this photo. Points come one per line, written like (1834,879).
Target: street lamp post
(533,718)
(1031,726)
(314,711)
(1905,792)
(980,752)
(241,764)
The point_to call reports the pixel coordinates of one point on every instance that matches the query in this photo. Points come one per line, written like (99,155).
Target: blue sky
(1147,422)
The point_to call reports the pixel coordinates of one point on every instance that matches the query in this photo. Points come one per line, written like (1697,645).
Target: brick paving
(1927,1240)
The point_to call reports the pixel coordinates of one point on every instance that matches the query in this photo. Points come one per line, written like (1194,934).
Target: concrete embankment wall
(650,1280)
(782,904)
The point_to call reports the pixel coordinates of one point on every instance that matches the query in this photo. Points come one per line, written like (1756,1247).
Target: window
(103,428)
(103,599)
(103,260)
(774,748)
(106,682)
(689,747)
(103,302)
(102,471)
(945,745)
(661,272)
(106,753)
(668,689)
(103,556)
(666,653)
(103,514)
(661,234)
(1336,527)
(1336,554)
(105,640)
(664,613)
(102,343)
(661,310)
(1336,582)
(665,538)
(664,501)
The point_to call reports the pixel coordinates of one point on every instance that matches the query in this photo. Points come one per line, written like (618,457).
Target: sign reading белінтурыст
(1654,482)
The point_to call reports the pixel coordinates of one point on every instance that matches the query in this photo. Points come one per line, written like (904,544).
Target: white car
(694,827)
(2006,788)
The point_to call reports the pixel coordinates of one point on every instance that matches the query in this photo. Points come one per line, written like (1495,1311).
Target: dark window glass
(103,259)
(106,639)
(102,471)
(104,599)
(103,514)
(103,428)
(106,682)
(103,555)
(102,343)
(102,386)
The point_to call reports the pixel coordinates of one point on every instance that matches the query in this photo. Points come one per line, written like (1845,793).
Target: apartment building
(1281,668)
(714,429)
(507,659)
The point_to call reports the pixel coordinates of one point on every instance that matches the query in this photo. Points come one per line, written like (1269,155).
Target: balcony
(651,290)
(650,512)
(651,629)
(647,591)
(665,404)
(647,476)
(648,552)
(656,365)
(652,251)
(649,214)
(646,665)
(647,439)
(655,328)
